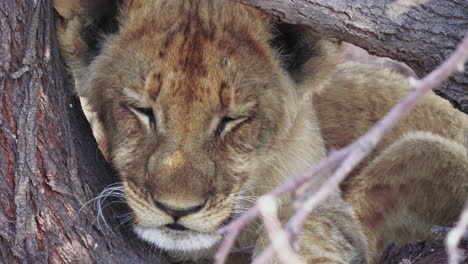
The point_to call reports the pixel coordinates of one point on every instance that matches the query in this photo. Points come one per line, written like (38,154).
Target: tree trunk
(420,33)
(50,165)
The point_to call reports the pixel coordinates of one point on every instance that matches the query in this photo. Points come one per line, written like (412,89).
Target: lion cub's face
(190,96)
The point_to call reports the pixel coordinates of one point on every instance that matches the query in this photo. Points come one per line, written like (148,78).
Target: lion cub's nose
(178,213)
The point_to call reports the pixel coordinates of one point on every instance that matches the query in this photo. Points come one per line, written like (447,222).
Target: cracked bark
(49,161)
(420,33)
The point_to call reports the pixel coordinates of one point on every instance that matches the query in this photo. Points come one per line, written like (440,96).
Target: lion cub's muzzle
(182,200)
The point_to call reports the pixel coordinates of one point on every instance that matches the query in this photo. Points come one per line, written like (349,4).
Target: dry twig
(268,208)
(455,236)
(349,156)
(232,230)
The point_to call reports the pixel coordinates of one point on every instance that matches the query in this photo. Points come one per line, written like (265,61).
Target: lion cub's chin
(180,241)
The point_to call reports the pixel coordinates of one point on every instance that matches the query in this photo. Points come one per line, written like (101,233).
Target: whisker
(127,218)
(114,190)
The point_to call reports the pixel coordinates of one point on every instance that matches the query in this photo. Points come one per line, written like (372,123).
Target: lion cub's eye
(222,125)
(146,115)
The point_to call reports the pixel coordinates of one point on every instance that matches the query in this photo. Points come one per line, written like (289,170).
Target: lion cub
(204,105)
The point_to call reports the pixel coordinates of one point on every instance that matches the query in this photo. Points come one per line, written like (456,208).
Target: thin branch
(268,208)
(351,154)
(232,229)
(366,143)
(455,236)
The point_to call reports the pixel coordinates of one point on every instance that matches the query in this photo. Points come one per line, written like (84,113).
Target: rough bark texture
(420,33)
(49,163)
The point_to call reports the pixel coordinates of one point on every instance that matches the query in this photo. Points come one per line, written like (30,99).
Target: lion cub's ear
(310,60)
(81,27)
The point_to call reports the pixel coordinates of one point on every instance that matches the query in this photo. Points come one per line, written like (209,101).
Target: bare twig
(455,236)
(349,156)
(232,230)
(268,208)
(366,143)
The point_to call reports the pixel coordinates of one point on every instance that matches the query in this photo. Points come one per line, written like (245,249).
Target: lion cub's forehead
(189,52)
(192,36)
(182,88)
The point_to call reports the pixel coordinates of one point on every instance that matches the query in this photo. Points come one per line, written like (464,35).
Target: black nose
(178,213)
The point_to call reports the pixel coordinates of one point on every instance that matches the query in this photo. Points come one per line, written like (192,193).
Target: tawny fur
(193,63)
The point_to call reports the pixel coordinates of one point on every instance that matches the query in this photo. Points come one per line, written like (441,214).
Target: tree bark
(420,33)
(50,165)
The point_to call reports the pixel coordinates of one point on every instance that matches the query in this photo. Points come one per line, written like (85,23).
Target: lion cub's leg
(417,182)
(330,235)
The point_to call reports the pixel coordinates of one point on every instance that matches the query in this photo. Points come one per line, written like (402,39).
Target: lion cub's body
(207,104)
